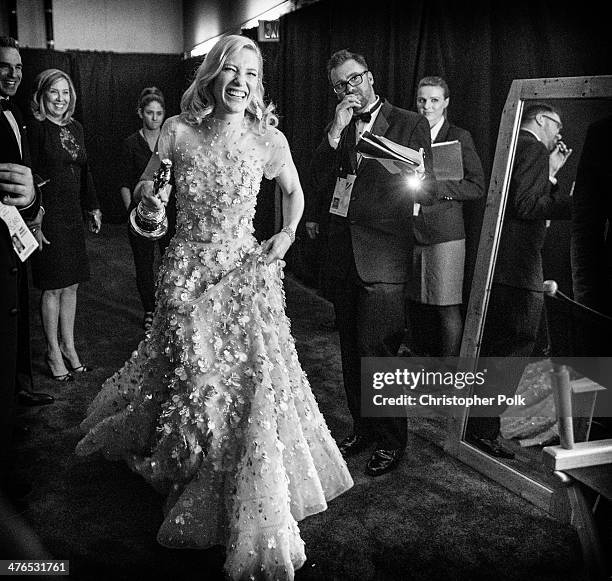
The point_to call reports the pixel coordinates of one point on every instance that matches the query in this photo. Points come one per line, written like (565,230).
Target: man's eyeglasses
(355,80)
(556,121)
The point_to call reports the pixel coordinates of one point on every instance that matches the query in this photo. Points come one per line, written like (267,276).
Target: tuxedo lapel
(9,150)
(443,133)
(379,127)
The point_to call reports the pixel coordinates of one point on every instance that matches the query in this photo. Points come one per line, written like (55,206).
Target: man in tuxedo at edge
(517,300)
(16,189)
(370,243)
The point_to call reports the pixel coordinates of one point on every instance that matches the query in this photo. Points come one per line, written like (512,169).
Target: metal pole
(49,23)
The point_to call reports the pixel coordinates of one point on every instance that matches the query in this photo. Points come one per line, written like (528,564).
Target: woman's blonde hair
(42,84)
(198,100)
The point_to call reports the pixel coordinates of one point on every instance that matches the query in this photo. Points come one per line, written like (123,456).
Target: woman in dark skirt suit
(58,155)
(439,253)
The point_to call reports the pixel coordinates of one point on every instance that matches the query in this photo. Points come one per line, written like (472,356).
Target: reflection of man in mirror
(516,301)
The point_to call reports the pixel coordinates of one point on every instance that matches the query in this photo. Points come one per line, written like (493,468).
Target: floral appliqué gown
(213,408)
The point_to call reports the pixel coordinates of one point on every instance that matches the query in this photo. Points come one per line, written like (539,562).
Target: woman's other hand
(35,227)
(276,247)
(95,220)
(312,229)
(40,237)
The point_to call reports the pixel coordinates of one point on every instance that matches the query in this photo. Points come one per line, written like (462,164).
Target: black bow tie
(4,104)
(366,116)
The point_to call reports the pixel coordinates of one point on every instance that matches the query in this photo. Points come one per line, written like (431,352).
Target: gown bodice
(218,168)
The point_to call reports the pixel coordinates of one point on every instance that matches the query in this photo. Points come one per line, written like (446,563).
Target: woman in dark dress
(135,155)
(58,154)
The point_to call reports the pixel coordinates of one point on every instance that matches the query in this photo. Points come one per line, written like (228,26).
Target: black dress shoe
(383,461)
(33,398)
(492,447)
(353,444)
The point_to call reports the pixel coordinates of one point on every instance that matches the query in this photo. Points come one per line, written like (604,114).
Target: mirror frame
(545,89)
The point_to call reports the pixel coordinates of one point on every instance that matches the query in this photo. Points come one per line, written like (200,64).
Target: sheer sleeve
(167,138)
(89,196)
(279,153)
(165,148)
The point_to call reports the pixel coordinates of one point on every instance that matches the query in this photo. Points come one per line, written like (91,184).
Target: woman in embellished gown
(213,407)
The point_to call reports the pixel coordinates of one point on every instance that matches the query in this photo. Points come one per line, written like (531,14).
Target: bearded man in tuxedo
(370,240)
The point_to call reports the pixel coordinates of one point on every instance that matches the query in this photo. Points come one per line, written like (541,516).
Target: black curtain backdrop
(108,86)
(479,47)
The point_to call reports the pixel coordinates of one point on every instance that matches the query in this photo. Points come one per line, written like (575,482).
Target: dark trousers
(511,330)
(15,360)
(370,320)
(143,250)
(24,379)
(9,336)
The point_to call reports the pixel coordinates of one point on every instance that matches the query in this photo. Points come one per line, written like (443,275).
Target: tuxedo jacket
(9,153)
(11,267)
(592,220)
(443,220)
(532,199)
(378,232)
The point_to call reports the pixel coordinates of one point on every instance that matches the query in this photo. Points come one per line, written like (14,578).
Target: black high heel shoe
(79,368)
(62,378)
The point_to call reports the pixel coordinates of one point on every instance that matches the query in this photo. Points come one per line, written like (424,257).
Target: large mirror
(580,101)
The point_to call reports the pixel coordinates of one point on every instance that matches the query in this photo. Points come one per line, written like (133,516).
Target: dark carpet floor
(433,518)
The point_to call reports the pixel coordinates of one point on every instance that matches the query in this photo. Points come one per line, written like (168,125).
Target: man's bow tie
(4,104)
(366,116)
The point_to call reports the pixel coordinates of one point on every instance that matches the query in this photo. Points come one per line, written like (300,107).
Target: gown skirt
(214,410)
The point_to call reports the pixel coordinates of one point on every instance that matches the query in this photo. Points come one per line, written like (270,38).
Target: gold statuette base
(151,225)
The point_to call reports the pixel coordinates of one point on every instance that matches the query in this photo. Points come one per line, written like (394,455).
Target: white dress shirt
(13,123)
(436,128)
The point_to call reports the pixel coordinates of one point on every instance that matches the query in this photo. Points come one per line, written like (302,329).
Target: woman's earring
(258,112)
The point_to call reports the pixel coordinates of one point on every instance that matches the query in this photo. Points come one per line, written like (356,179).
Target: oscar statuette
(153,224)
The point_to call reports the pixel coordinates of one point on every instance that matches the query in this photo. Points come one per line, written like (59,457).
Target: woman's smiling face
(57,99)
(235,85)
